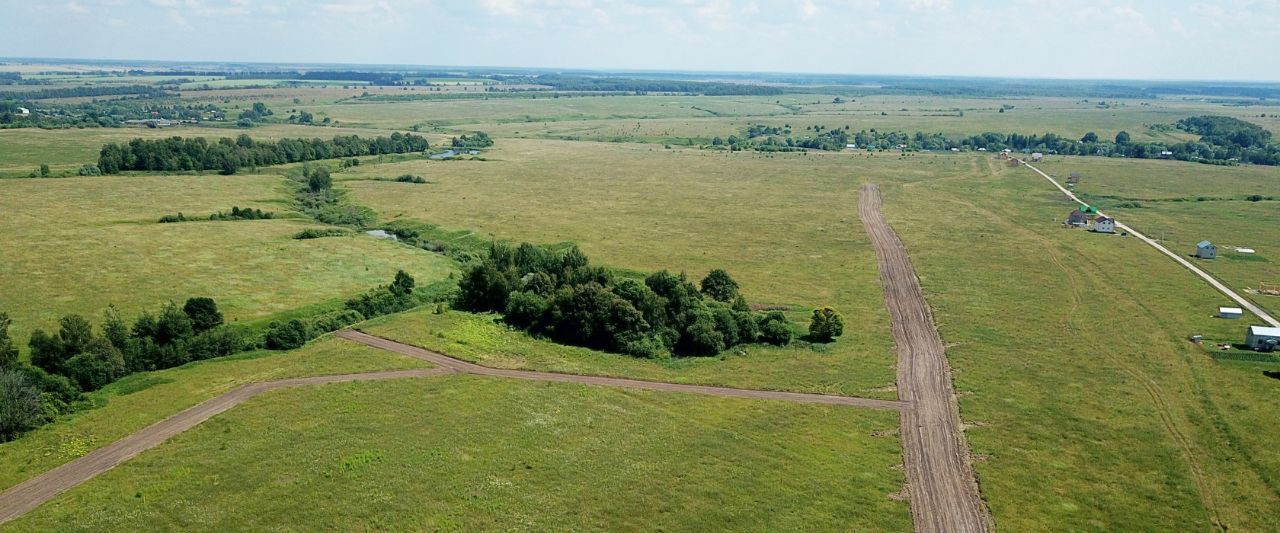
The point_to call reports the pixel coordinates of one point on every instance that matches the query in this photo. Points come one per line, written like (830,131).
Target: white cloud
(808,9)
(76,7)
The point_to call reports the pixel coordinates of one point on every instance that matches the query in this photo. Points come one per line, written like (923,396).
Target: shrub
(167,219)
(826,325)
(8,352)
(21,408)
(774,329)
(99,365)
(410,178)
(89,169)
(525,309)
(290,335)
(316,233)
(336,320)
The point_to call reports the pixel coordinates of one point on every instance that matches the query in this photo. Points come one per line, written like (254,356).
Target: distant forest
(229,155)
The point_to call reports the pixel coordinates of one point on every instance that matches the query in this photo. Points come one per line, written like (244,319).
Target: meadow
(1185,204)
(473,453)
(77,245)
(1085,406)
(142,399)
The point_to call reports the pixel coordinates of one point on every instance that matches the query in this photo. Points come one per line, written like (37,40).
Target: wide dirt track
(941,483)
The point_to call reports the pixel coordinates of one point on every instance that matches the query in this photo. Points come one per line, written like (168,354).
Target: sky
(1123,39)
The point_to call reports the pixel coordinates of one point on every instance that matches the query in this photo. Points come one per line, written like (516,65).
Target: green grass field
(139,400)
(76,245)
(1184,204)
(1085,406)
(471,453)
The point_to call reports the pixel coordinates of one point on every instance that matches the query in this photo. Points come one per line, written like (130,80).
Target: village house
(1206,250)
(1230,312)
(1104,224)
(1078,218)
(1037,156)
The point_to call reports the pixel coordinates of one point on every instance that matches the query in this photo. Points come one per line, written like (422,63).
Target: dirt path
(24,497)
(941,483)
(471,368)
(21,498)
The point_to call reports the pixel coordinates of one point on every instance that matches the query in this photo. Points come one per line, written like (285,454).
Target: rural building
(851,146)
(1206,250)
(1230,312)
(1104,224)
(1262,338)
(1078,218)
(24,112)
(1037,156)
(1166,154)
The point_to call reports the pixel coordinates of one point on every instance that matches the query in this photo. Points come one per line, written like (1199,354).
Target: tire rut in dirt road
(28,495)
(941,484)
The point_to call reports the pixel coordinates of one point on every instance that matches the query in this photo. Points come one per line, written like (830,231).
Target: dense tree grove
(106,114)
(562,296)
(228,155)
(478,139)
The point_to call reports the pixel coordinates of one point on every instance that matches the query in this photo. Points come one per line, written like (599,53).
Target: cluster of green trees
(318,199)
(478,139)
(774,139)
(229,155)
(561,296)
(258,112)
(77,359)
(236,213)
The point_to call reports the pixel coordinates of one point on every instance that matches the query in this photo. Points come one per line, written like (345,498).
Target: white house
(1104,224)
(24,112)
(1262,338)
(1230,312)
(1206,250)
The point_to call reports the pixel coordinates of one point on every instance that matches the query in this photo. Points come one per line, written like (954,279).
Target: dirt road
(471,368)
(941,483)
(21,498)
(1221,287)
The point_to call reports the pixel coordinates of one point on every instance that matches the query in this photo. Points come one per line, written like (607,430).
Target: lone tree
(318,179)
(720,286)
(1122,137)
(203,312)
(827,324)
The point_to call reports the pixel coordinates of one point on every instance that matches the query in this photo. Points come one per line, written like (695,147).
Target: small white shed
(1230,312)
(1206,250)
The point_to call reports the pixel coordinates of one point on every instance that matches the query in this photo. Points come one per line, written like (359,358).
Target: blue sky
(1227,39)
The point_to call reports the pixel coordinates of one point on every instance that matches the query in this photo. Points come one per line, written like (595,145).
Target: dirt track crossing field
(941,483)
(28,495)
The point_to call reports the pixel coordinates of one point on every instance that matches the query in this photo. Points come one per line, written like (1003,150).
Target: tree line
(563,297)
(229,155)
(141,91)
(639,86)
(1224,140)
(78,358)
